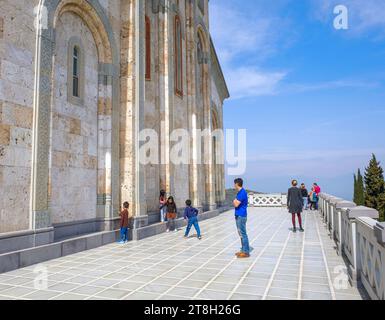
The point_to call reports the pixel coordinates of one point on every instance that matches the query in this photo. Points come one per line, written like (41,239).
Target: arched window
(201,6)
(178,64)
(75,72)
(200,57)
(148,48)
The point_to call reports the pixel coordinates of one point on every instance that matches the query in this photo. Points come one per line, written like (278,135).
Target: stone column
(40,218)
(164,99)
(191,102)
(209,166)
(141,217)
(108,146)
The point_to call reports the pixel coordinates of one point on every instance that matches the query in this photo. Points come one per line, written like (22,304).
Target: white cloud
(236,32)
(248,38)
(248,82)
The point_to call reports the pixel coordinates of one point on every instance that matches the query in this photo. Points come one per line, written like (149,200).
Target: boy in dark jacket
(124,223)
(191,214)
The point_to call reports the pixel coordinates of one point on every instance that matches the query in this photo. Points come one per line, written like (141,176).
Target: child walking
(191,214)
(124,223)
(171,214)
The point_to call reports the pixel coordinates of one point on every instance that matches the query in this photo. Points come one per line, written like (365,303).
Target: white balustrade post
(351,241)
(338,222)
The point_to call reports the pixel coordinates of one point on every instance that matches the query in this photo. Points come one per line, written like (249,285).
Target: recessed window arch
(75,71)
(201,62)
(178,61)
(201,6)
(148,47)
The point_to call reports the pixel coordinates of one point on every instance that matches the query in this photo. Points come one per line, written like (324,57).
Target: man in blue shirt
(240,204)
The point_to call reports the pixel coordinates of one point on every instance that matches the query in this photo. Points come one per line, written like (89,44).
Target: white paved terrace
(283,265)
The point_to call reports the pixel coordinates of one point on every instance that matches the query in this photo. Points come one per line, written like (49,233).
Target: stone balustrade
(267,200)
(360,238)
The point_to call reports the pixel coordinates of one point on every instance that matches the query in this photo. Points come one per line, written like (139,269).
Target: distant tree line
(370,190)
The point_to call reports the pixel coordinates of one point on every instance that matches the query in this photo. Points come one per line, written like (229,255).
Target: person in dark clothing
(162,205)
(312,199)
(124,223)
(305,196)
(191,214)
(171,214)
(295,204)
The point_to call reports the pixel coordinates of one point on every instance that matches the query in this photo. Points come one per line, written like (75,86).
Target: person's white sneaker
(176,230)
(167,230)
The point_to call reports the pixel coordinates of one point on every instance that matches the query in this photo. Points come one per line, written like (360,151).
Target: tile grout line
(300,282)
(180,263)
(231,261)
(226,266)
(325,261)
(255,261)
(112,286)
(276,267)
(204,263)
(212,259)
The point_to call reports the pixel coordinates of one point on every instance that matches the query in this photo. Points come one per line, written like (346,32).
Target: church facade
(79,82)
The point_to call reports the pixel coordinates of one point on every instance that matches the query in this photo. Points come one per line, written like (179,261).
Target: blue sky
(311,97)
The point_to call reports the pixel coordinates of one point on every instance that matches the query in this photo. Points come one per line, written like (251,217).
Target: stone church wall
(17,50)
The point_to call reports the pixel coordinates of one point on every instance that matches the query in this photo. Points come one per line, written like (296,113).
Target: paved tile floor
(283,265)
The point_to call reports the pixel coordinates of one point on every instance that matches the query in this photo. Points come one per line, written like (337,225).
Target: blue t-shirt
(242,197)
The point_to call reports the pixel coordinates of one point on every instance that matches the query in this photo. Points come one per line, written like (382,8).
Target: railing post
(330,224)
(327,209)
(350,241)
(321,203)
(370,258)
(337,234)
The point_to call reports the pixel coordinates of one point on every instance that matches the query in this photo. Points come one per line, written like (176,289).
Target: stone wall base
(13,241)
(22,240)
(24,258)
(77,228)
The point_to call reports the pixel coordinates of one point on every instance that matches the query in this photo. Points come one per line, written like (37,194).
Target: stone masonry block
(4,134)
(74,246)
(40,254)
(9,262)
(75,126)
